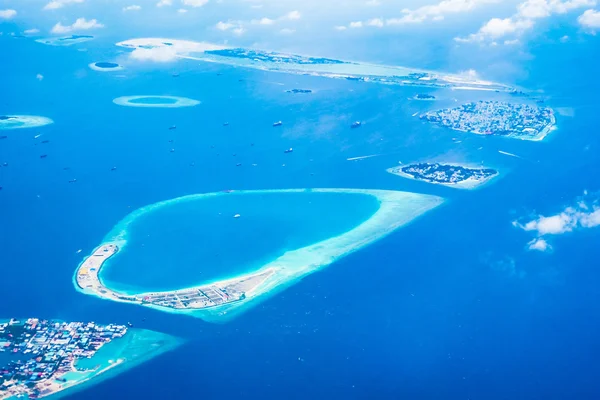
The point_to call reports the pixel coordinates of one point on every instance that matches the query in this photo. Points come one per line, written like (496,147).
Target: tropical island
(295,91)
(519,121)
(315,66)
(65,40)
(269,56)
(424,96)
(41,358)
(452,175)
(221,299)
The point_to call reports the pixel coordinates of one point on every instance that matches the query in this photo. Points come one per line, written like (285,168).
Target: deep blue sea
(452,306)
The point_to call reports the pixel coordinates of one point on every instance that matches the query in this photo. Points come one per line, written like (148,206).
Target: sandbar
(222,300)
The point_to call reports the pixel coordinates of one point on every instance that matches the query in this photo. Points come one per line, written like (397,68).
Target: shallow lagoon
(188,243)
(155,101)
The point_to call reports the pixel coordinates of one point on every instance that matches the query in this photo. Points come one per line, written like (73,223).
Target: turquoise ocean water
(196,241)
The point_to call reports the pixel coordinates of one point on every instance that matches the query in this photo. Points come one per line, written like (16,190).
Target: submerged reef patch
(105,66)
(155,101)
(23,121)
(65,40)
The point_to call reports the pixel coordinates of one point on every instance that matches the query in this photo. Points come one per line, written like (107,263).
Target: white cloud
(194,3)
(31,31)
(39,77)
(539,244)
(437,11)
(132,8)
(155,54)
(378,22)
(239,27)
(432,12)
(287,31)
(590,19)
(373,3)
(224,26)
(263,21)
(182,11)
(7,14)
(164,3)
(356,24)
(236,27)
(583,215)
(524,19)
(340,28)
(79,25)
(55,4)
(292,15)
(496,27)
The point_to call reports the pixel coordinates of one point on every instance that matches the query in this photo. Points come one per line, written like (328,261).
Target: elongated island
(44,358)
(316,66)
(447,174)
(219,300)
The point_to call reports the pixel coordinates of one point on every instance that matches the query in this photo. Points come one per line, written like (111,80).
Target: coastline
(343,69)
(123,362)
(220,300)
(121,354)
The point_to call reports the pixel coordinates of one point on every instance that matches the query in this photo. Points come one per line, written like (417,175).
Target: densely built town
(42,353)
(446,173)
(520,121)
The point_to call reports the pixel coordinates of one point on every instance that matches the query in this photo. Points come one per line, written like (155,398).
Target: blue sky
(453,35)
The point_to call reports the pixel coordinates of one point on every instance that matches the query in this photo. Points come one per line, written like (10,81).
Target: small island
(314,66)
(451,175)
(298,91)
(41,358)
(272,57)
(424,97)
(519,121)
(65,40)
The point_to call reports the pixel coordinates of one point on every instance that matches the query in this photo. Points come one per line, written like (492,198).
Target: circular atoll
(105,66)
(23,121)
(155,101)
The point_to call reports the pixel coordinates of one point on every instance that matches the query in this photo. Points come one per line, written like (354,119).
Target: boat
(356,124)
(278,123)
(290,150)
